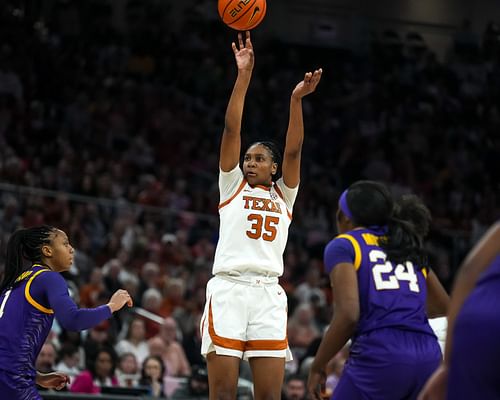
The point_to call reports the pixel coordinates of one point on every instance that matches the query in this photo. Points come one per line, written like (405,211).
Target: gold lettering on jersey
(260,204)
(370,239)
(24,275)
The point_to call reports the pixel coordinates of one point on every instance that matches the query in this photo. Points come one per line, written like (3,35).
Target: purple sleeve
(338,251)
(50,289)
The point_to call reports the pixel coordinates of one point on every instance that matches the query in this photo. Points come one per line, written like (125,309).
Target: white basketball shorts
(245,317)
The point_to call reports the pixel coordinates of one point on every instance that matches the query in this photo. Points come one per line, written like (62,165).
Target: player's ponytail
(402,224)
(24,244)
(407,228)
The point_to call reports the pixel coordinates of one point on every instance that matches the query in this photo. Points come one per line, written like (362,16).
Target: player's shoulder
(48,276)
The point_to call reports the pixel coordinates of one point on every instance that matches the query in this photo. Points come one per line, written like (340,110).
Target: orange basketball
(242,15)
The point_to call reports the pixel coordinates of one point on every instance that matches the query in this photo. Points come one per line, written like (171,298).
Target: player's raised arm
(295,132)
(231,139)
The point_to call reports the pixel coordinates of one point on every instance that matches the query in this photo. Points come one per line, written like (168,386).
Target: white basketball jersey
(254,225)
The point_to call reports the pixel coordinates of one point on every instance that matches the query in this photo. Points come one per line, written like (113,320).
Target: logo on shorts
(279,292)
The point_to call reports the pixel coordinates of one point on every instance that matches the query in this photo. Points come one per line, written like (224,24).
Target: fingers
(248,42)
(313,77)
(242,45)
(240,40)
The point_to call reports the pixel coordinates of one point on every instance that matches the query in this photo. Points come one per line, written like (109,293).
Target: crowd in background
(121,131)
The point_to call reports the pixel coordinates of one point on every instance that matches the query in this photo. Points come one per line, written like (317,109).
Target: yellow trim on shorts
(357,249)
(30,299)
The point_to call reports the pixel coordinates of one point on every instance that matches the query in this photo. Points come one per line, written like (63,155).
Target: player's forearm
(295,132)
(234,111)
(83,318)
(338,333)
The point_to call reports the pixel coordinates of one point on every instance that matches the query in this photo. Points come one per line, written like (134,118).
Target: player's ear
(274,168)
(46,250)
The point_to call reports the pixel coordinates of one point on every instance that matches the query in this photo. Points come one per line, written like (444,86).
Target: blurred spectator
(69,360)
(152,374)
(135,341)
(98,336)
(173,296)
(90,292)
(294,388)
(151,301)
(173,355)
(100,371)
(196,386)
(127,370)
(46,360)
(302,329)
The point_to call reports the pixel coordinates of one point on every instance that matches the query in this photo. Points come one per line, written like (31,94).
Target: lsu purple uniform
(27,311)
(394,349)
(475,357)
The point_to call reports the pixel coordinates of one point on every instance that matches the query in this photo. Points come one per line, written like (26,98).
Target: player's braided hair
(24,244)
(407,220)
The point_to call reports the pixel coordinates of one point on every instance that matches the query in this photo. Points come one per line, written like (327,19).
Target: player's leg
(267,347)
(268,375)
(223,374)
(223,327)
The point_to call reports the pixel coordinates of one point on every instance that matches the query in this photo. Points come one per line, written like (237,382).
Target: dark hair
(91,361)
(146,380)
(275,155)
(295,377)
(24,244)
(407,220)
(67,349)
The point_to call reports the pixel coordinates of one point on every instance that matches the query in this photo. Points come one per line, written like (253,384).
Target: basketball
(242,15)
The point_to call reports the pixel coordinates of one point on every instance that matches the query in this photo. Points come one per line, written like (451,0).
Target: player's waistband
(250,280)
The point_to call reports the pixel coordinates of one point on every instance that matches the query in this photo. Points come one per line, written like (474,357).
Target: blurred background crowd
(113,136)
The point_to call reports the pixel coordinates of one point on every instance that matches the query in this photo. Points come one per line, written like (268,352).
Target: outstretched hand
(308,85)
(315,384)
(243,53)
(119,299)
(52,380)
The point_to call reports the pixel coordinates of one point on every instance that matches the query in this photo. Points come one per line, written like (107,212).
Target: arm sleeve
(51,289)
(338,251)
(229,182)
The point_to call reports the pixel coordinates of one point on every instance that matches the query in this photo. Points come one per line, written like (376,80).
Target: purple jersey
(475,355)
(390,296)
(27,311)
(394,350)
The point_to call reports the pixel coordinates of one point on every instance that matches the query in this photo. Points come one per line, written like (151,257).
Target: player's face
(258,165)
(61,256)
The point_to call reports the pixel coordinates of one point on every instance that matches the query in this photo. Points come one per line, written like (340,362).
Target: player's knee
(225,393)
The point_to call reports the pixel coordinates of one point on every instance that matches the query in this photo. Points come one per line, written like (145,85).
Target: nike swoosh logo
(255,11)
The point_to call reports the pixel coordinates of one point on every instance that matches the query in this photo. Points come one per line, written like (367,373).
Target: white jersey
(254,225)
